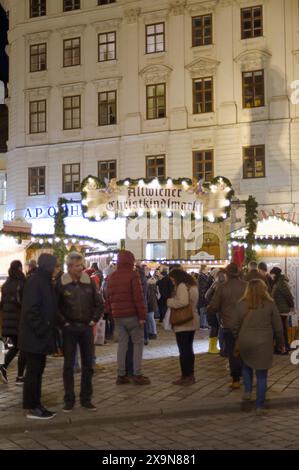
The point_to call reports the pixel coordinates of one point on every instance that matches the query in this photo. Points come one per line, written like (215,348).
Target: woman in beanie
(283,298)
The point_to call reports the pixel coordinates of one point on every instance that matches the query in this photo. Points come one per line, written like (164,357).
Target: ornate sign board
(169,197)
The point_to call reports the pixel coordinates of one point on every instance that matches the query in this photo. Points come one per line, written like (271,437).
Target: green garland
(59,249)
(100,184)
(251,215)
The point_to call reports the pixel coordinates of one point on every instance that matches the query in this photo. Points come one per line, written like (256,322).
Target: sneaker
(68,407)
(40,413)
(246,396)
(152,336)
(261,412)
(89,406)
(122,380)
(20,380)
(3,375)
(141,380)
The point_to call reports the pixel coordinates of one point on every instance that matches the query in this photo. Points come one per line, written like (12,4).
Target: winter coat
(152,301)
(282,295)
(39,309)
(125,295)
(165,287)
(254,274)
(143,279)
(225,299)
(255,331)
(11,304)
(204,283)
(78,302)
(182,297)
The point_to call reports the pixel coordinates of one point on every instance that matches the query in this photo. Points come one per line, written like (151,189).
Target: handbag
(179,316)
(182,315)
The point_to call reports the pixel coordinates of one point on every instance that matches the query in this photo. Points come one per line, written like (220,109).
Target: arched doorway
(211,244)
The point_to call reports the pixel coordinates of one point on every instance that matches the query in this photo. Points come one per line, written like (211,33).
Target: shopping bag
(166,320)
(99,338)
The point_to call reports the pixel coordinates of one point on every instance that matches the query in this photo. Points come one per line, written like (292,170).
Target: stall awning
(272,228)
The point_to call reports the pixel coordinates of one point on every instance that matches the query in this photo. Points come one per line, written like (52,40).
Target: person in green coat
(283,299)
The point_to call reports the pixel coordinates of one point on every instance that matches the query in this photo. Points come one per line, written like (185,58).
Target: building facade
(160,88)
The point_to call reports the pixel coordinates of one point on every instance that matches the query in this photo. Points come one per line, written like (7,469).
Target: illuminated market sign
(133,198)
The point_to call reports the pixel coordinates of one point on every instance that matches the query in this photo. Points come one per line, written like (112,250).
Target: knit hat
(276,270)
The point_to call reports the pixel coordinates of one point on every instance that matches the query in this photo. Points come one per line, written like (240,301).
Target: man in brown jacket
(224,301)
(253,272)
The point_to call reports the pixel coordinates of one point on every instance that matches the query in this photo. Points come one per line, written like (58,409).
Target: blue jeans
(203,317)
(261,384)
(151,324)
(129,327)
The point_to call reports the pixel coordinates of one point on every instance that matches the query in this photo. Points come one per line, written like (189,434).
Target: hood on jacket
(125,258)
(47,263)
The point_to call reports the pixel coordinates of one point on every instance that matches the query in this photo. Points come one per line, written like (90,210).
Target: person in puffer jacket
(125,300)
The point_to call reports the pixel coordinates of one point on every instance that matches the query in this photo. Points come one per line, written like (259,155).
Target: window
(107,169)
(105,2)
(71,112)
(71,178)
(253,89)
(251,22)
(38,8)
(203,165)
(107,46)
(69,5)
(38,57)
(107,108)
(155,38)
(254,162)
(155,166)
(37,116)
(155,250)
(156,101)
(36,181)
(202,30)
(71,52)
(203,95)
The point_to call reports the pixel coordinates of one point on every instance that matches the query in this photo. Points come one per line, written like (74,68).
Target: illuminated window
(253,89)
(71,178)
(254,162)
(156,101)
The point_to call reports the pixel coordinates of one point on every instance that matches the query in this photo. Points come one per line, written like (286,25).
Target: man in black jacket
(80,307)
(39,308)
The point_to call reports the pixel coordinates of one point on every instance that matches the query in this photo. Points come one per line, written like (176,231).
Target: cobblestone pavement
(238,431)
(137,410)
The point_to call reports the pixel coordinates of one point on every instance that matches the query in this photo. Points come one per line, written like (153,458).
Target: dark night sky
(3,42)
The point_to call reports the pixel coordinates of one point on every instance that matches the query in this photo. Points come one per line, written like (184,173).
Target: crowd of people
(48,311)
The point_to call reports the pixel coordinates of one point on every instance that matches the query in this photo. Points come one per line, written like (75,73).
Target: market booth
(276,243)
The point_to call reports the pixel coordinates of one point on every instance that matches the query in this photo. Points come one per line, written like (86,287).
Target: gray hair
(73,256)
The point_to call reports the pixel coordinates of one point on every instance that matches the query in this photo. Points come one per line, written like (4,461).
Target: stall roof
(270,228)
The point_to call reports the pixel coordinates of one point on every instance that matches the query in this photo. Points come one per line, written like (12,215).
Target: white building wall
(226,130)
